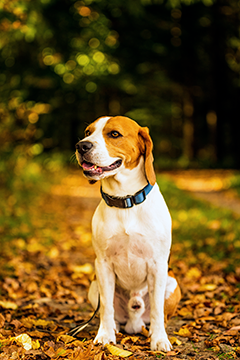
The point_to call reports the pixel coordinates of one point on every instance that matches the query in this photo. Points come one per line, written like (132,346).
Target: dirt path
(208,185)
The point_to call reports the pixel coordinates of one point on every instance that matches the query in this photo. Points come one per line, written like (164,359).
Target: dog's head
(114,143)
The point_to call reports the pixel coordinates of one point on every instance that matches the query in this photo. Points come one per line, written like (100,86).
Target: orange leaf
(145,331)
(2,320)
(66,338)
(132,339)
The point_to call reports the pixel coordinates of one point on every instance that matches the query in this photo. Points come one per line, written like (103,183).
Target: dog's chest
(129,255)
(130,239)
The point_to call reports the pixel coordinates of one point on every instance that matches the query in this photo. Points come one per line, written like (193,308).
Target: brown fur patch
(134,142)
(150,173)
(91,128)
(171,303)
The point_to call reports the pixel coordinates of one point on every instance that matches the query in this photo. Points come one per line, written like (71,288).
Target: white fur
(132,249)
(171,286)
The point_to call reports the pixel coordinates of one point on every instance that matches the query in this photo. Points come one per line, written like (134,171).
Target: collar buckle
(128,202)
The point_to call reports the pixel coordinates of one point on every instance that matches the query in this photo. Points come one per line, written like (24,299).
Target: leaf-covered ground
(47,265)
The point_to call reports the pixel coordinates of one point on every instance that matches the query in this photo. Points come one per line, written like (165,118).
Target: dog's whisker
(73,158)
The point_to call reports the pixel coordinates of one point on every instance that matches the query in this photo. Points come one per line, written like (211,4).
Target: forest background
(170,65)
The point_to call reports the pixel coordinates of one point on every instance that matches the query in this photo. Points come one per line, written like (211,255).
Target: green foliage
(235,183)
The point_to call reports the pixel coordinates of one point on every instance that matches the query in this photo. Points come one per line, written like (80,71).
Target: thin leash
(73,332)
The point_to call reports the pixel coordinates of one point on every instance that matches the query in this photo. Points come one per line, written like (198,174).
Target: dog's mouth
(92,169)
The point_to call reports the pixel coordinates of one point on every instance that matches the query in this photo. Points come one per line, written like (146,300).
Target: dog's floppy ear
(147,147)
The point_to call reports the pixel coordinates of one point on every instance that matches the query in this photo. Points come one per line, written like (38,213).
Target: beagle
(131,232)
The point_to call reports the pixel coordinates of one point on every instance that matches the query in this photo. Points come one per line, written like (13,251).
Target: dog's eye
(87,133)
(114,134)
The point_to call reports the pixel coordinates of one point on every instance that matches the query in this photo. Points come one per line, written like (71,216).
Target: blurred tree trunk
(188,126)
(235,129)
(220,69)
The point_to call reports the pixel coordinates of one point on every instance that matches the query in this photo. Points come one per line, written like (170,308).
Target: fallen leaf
(173,340)
(172,353)
(207,287)
(66,339)
(156,352)
(25,341)
(39,334)
(8,305)
(184,332)
(193,273)
(35,345)
(30,322)
(216,348)
(235,328)
(145,332)
(185,312)
(100,356)
(118,352)
(2,320)
(130,339)
(225,316)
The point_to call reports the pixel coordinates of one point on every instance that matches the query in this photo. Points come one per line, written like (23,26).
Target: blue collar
(127,201)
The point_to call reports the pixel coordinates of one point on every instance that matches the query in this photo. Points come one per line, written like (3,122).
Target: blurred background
(170,65)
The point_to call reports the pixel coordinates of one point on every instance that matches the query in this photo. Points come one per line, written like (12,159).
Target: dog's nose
(83,147)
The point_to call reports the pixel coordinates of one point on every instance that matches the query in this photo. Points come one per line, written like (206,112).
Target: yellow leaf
(185,312)
(25,341)
(193,273)
(118,352)
(184,332)
(35,345)
(173,340)
(207,287)
(29,322)
(84,269)
(8,305)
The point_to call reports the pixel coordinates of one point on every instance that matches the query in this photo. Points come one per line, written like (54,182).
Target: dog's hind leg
(172,296)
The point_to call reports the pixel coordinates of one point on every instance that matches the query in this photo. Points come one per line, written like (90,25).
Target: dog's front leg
(157,279)
(106,284)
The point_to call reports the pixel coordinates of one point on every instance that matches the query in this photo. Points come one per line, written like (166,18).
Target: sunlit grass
(201,232)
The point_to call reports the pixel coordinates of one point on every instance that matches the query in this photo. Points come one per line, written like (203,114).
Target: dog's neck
(126,182)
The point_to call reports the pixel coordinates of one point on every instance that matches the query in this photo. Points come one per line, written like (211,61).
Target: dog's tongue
(92,167)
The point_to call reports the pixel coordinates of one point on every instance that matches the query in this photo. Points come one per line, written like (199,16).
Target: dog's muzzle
(83,147)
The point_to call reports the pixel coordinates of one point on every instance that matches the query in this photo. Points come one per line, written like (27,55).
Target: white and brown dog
(131,232)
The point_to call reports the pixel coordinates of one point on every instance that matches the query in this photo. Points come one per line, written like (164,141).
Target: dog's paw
(160,344)
(104,337)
